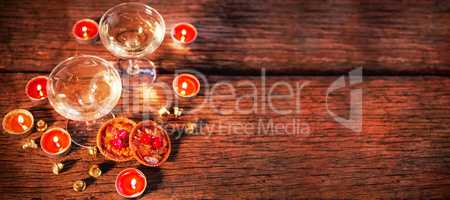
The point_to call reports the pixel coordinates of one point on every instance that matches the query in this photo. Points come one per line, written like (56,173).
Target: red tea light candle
(131,183)
(184,33)
(85,31)
(56,142)
(36,88)
(186,85)
(18,121)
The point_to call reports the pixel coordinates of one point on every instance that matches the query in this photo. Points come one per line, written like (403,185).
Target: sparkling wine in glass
(84,89)
(131,31)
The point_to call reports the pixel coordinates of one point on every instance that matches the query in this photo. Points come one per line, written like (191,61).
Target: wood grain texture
(402,152)
(287,37)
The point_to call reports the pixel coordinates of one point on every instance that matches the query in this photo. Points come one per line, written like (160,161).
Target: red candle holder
(18,121)
(85,31)
(186,85)
(56,142)
(36,88)
(131,183)
(184,33)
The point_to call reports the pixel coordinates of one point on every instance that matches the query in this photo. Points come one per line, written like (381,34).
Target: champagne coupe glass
(131,31)
(84,89)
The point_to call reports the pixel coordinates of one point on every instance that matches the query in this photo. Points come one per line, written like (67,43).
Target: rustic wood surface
(402,152)
(286,37)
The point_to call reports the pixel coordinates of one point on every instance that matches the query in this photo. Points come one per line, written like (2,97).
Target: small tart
(150,143)
(113,139)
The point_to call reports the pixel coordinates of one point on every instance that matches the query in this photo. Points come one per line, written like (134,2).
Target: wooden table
(403,150)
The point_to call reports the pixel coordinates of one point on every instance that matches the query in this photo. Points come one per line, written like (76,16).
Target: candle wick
(183,35)
(21,120)
(39,88)
(56,141)
(84,29)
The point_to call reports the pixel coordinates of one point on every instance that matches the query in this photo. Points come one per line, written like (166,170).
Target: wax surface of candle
(37,88)
(130,182)
(85,29)
(18,122)
(55,141)
(186,85)
(184,33)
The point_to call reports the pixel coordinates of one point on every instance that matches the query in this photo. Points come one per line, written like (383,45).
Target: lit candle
(184,33)
(56,142)
(85,31)
(131,183)
(36,88)
(186,85)
(18,121)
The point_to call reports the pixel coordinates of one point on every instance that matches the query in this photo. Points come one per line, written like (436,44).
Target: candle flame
(20,119)
(162,112)
(56,141)
(184,85)
(133,183)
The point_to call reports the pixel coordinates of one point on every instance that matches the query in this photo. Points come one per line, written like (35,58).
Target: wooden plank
(402,152)
(285,37)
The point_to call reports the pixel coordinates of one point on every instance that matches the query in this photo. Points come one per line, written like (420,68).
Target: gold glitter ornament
(94,171)
(163,111)
(30,144)
(79,186)
(57,167)
(41,125)
(177,112)
(92,151)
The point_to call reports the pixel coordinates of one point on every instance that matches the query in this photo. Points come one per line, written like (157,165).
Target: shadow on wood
(107,166)
(154,178)
(68,164)
(89,181)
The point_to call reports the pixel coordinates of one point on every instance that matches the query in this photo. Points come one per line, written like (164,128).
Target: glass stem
(133,68)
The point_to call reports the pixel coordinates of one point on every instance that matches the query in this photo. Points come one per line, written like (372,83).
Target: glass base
(138,76)
(84,133)
(136,72)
